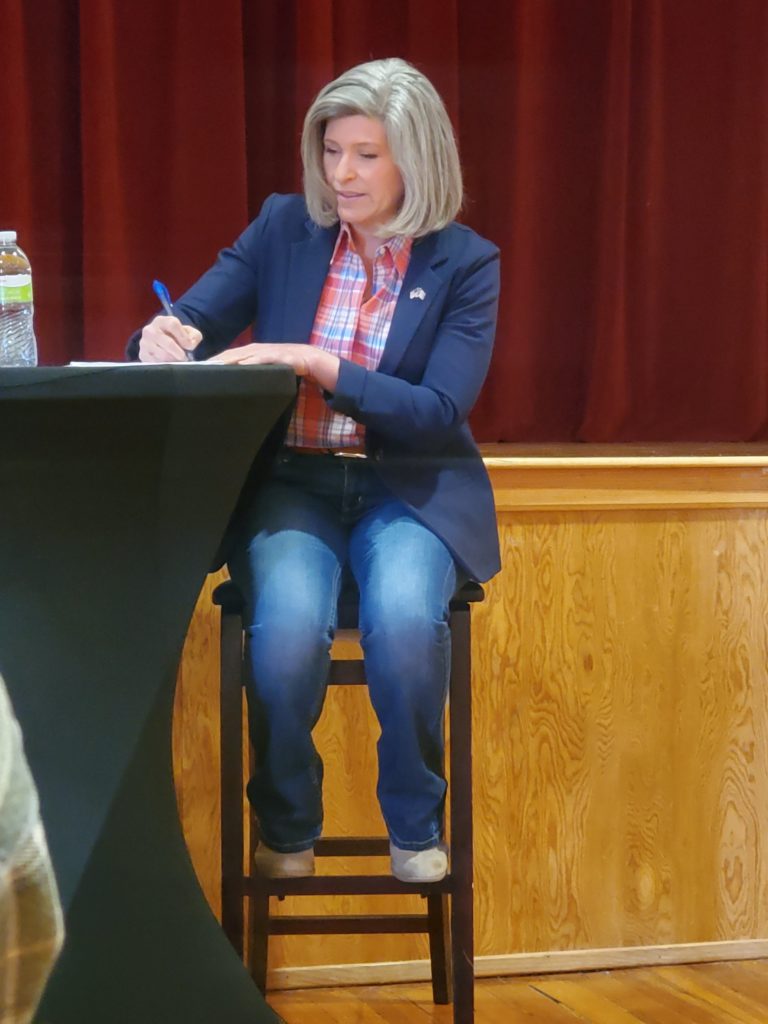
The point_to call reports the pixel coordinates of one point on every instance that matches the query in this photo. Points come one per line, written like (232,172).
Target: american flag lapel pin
(418,293)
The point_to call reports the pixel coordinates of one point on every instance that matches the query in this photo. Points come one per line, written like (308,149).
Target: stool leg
(258,938)
(231,752)
(462,911)
(440,948)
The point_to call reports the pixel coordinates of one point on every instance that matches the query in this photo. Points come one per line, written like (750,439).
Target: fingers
(193,337)
(250,355)
(167,340)
(231,356)
(256,355)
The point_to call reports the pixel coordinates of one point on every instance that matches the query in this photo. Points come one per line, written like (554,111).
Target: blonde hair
(420,138)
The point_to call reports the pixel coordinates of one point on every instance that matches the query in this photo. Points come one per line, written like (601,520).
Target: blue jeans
(317,518)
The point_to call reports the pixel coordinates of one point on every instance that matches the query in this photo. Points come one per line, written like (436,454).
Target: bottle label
(15,288)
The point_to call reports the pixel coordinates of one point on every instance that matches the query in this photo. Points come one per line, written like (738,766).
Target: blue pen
(165,301)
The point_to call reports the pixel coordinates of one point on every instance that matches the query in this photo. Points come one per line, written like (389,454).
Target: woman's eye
(369,156)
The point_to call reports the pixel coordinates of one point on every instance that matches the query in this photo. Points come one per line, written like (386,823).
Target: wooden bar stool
(449,916)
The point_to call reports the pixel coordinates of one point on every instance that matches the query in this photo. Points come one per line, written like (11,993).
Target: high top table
(116,486)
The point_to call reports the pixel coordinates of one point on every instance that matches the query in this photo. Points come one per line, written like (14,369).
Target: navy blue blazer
(414,407)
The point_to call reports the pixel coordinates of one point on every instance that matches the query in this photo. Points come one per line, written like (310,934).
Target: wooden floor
(727,993)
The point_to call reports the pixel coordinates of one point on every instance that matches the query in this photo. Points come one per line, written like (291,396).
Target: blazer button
(377,455)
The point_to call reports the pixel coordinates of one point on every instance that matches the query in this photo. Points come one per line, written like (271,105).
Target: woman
(386,310)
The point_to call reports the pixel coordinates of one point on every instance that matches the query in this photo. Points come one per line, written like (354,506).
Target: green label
(15,288)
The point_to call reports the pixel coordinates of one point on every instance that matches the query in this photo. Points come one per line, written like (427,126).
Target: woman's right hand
(167,340)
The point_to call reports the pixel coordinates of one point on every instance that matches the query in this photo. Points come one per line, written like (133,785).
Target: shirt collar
(398,248)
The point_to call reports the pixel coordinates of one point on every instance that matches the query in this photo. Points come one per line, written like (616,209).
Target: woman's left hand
(306,361)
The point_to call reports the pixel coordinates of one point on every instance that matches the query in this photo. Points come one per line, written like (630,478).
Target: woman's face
(359,168)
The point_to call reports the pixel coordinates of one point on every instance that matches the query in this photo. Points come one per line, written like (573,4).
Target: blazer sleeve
(427,412)
(224,301)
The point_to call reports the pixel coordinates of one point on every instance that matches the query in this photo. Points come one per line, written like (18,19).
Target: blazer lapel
(421,284)
(307,270)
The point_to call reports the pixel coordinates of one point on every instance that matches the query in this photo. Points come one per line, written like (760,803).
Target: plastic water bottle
(17,337)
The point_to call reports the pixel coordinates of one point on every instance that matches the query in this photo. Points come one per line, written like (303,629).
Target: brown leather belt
(347,453)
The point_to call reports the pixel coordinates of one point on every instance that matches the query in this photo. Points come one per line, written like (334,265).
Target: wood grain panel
(631,698)
(621,732)
(196,743)
(609,487)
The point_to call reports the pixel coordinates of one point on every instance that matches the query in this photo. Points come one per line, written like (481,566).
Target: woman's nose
(344,168)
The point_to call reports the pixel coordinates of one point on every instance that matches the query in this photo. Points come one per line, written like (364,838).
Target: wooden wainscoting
(621,724)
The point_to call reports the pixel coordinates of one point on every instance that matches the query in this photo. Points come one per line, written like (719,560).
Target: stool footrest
(349,924)
(342,885)
(352,846)
(347,673)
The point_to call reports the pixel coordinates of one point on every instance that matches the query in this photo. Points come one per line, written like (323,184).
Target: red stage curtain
(616,150)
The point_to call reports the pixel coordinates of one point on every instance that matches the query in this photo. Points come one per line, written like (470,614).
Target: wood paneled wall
(620,684)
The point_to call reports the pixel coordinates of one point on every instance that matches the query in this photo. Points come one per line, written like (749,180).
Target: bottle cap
(7,237)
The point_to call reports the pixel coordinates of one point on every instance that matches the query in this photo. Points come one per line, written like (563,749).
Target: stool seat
(449,917)
(228,597)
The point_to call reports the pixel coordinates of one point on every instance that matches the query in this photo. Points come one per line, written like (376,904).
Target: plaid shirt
(31,927)
(351,329)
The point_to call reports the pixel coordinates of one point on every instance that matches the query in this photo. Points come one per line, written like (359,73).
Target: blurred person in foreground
(385,307)
(31,928)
